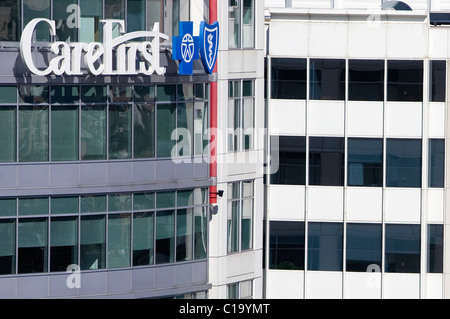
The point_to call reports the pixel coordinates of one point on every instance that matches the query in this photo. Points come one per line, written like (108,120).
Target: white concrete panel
(326,118)
(285,284)
(367,39)
(438,47)
(286,202)
(324,285)
(407,40)
(436,120)
(287,117)
(435,205)
(280,34)
(364,204)
(325,203)
(365,119)
(403,205)
(433,286)
(404,119)
(362,285)
(328,39)
(401,286)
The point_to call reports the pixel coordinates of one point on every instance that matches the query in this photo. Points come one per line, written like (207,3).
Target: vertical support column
(213,118)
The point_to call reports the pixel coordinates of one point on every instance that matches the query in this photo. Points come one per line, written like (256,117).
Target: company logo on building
(98,57)
(209,45)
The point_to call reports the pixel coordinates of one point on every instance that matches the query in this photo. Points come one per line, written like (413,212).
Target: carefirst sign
(98,57)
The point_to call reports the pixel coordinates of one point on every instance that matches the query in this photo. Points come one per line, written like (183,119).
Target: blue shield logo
(209,45)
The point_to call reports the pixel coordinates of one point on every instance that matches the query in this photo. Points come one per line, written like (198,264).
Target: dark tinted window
(365,162)
(291,152)
(436,163)
(325,246)
(404,163)
(288,78)
(287,245)
(405,81)
(402,248)
(438,81)
(435,248)
(366,80)
(327,79)
(326,161)
(363,247)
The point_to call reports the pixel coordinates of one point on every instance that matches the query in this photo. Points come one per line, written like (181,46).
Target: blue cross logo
(185,48)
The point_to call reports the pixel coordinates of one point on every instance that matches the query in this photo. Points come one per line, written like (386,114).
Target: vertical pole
(213,117)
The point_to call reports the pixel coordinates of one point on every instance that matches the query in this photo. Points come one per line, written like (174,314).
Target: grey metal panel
(184,171)
(183,275)
(8,288)
(143,279)
(93,283)
(64,175)
(58,286)
(32,287)
(144,172)
(8,176)
(119,281)
(164,277)
(165,171)
(200,273)
(120,173)
(93,174)
(33,175)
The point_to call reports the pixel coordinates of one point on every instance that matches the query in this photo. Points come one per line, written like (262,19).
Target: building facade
(358,124)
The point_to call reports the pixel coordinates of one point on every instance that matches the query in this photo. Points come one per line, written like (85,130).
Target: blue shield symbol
(209,45)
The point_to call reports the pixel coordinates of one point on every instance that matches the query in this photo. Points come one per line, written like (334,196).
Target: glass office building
(94,180)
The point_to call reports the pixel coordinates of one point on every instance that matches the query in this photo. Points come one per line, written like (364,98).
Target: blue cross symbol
(185,48)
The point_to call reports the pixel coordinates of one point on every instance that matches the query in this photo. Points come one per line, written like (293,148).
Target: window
(240,290)
(91,12)
(438,80)
(8,247)
(66,25)
(287,245)
(93,242)
(436,163)
(32,245)
(365,162)
(240,216)
(11,20)
(326,161)
(64,133)
(37,9)
(143,239)
(135,15)
(402,250)
(119,240)
(325,241)
(363,246)
(327,79)
(241,115)
(366,80)
(184,234)
(8,128)
(435,248)
(404,163)
(288,78)
(291,160)
(63,242)
(405,81)
(241,24)
(165,237)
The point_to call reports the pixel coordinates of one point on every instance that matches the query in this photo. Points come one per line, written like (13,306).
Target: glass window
(144,94)
(119,131)
(166,93)
(37,9)
(65,94)
(184,249)
(326,161)
(64,14)
(144,201)
(363,246)
(241,24)
(365,162)
(325,246)
(11,20)
(185,198)
(155,13)
(8,207)
(33,133)
(287,245)
(327,79)
(64,133)
(135,15)
(165,200)
(115,9)
(165,237)
(33,206)
(366,80)
(91,12)
(33,245)
(93,204)
(8,133)
(185,129)
(93,94)
(436,163)
(233,291)
(402,250)
(8,94)
(404,163)
(438,80)
(143,238)
(201,232)
(166,124)
(291,160)
(93,242)
(63,243)
(8,246)
(64,205)
(144,130)
(93,132)
(200,127)
(119,202)
(405,81)
(248,24)
(33,94)
(119,240)
(288,78)
(234,24)
(435,248)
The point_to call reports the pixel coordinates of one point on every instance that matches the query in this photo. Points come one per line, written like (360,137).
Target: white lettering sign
(98,57)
